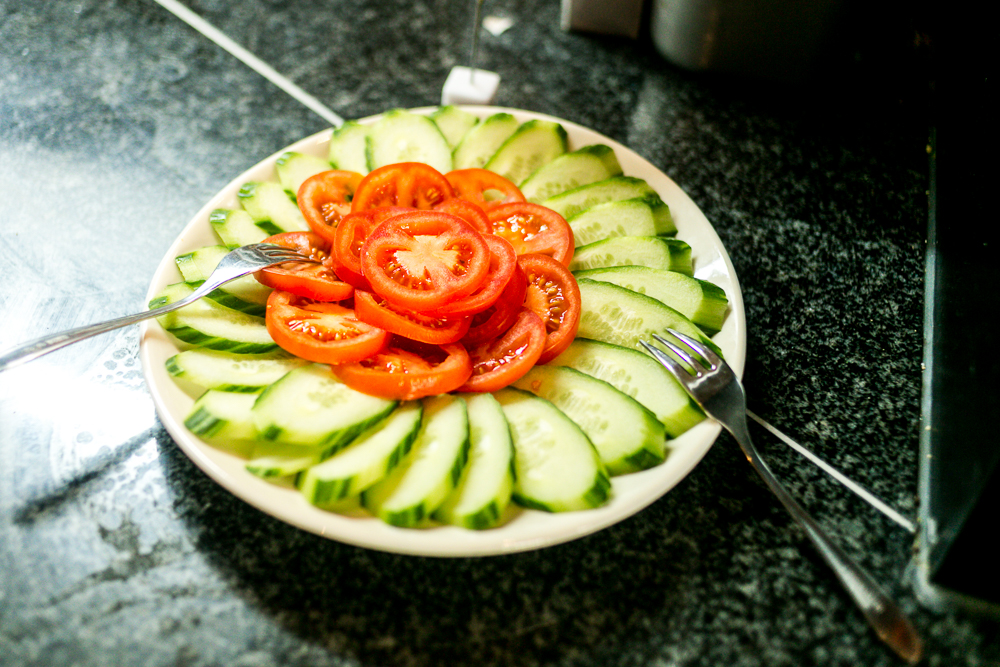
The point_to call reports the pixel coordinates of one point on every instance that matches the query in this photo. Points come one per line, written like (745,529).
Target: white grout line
(250,60)
(865,495)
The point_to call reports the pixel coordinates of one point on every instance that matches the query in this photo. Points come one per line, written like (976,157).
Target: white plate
(527,529)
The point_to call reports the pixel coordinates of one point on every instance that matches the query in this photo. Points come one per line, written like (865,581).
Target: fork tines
(706,358)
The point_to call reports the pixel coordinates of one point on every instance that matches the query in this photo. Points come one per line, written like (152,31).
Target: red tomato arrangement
(429,282)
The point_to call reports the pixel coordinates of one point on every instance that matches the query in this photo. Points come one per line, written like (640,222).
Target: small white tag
(468,86)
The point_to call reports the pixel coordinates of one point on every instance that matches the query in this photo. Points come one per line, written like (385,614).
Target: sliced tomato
(407,370)
(326,198)
(533,228)
(420,260)
(503,263)
(495,320)
(313,281)
(497,363)
(555,297)
(352,232)
(411,184)
(483,187)
(323,332)
(378,312)
(466,210)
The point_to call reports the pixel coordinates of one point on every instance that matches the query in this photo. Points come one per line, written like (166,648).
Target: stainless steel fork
(713,385)
(235,264)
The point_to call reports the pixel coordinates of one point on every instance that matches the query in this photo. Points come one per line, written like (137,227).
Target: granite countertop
(118,122)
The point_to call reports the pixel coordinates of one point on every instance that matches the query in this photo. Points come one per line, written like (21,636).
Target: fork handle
(884,616)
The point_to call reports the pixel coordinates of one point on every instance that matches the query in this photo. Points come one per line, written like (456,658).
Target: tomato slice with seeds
(555,297)
(323,332)
(496,319)
(533,228)
(503,263)
(325,198)
(352,232)
(497,363)
(313,281)
(410,184)
(466,210)
(484,187)
(420,260)
(407,370)
(378,312)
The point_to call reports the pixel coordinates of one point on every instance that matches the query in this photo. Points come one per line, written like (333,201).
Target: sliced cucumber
(637,374)
(571,170)
(535,144)
(235,227)
(700,301)
(420,484)
(247,295)
(309,406)
(223,418)
(453,123)
(625,217)
(349,147)
(365,461)
(205,323)
(573,201)
(620,316)
(402,136)
(653,251)
(482,141)
(484,490)
(556,468)
(294,168)
(229,372)
(280,459)
(271,208)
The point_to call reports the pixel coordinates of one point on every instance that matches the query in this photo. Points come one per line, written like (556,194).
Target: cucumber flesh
(349,147)
(224,371)
(599,409)
(402,136)
(419,485)
(294,168)
(309,406)
(556,468)
(702,302)
(205,323)
(223,418)
(638,375)
(271,208)
(571,170)
(573,201)
(279,459)
(482,141)
(365,461)
(483,493)
(656,252)
(453,123)
(235,227)
(625,217)
(616,315)
(535,144)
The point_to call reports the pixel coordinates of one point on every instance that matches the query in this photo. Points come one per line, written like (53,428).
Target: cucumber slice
(309,406)
(223,418)
(625,217)
(420,484)
(482,141)
(700,301)
(600,410)
(235,228)
(556,467)
(638,375)
(483,492)
(224,371)
(365,461)
(655,252)
(401,136)
(271,208)
(349,147)
(294,168)
(571,170)
(205,323)
(535,144)
(280,459)
(244,294)
(573,201)
(453,123)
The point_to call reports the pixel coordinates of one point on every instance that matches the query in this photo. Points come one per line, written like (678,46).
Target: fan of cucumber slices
(572,446)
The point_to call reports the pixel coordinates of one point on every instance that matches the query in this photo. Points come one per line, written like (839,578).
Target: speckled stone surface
(118,121)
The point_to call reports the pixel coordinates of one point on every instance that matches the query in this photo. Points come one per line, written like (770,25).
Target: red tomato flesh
(408,370)
(312,281)
(327,333)
(554,296)
(533,228)
(326,198)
